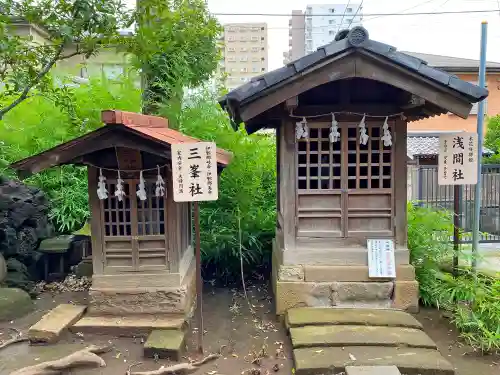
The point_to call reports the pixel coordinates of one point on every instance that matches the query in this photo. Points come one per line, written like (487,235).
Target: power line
(355,14)
(342,19)
(364,15)
(407,9)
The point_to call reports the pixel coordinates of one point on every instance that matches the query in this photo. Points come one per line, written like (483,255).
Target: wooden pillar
(400,182)
(288,183)
(96,221)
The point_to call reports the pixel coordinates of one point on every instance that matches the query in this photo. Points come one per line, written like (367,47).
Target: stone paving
(327,340)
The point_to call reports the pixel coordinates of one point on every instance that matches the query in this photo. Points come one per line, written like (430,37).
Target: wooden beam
(372,67)
(291,103)
(332,71)
(362,65)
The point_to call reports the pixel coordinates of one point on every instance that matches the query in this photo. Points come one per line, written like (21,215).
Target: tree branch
(36,80)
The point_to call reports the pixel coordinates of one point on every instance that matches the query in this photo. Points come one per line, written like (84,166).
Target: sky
(455,35)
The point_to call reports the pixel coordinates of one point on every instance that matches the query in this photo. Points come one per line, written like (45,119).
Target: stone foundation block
(361,292)
(50,327)
(406,296)
(291,273)
(122,301)
(301,294)
(165,344)
(318,273)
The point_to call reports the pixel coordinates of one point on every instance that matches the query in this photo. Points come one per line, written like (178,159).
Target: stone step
(49,328)
(165,344)
(349,335)
(409,361)
(303,316)
(129,326)
(372,370)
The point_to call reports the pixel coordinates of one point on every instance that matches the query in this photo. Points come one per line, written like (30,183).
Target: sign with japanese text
(457,159)
(381,261)
(194,172)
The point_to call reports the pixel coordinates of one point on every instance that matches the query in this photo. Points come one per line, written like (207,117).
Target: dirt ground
(231,328)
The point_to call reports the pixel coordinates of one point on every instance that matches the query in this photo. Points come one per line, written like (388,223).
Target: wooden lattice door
(134,230)
(368,182)
(319,184)
(344,188)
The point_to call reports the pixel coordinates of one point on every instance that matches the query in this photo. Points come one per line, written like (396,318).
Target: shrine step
(329,340)
(165,344)
(128,326)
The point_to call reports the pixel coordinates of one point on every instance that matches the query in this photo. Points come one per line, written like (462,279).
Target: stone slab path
(326,340)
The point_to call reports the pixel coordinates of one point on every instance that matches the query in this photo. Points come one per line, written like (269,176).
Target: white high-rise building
(318,26)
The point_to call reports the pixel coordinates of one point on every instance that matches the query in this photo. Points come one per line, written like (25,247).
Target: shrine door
(344,188)
(133,230)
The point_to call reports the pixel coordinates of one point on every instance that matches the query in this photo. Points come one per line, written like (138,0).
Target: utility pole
(480,134)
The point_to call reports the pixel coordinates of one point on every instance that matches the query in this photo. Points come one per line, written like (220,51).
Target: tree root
(87,357)
(178,369)
(14,340)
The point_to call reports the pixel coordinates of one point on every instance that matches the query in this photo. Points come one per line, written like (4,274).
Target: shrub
(45,121)
(473,299)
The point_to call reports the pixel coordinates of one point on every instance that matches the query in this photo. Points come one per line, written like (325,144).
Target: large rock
(14,303)
(23,224)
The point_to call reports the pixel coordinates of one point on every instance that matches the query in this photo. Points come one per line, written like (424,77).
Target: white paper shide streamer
(387,137)
(301,129)
(102,192)
(160,185)
(141,193)
(119,192)
(363,137)
(334,130)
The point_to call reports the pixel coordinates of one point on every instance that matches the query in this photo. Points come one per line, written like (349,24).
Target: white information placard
(194,172)
(457,159)
(381,262)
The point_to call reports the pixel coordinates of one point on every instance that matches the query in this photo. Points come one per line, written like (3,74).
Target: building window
(243,49)
(255,38)
(348,10)
(230,38)
(244,70)
(263,69)
(231,49)
(332,10)
(262,38)
(331,32)
(255,69)
(243,58)
(331,22)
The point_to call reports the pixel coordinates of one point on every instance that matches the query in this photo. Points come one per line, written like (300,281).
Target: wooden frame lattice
(345,164)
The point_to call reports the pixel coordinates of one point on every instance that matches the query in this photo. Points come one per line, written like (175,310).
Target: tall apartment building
(318,26)
(245,52)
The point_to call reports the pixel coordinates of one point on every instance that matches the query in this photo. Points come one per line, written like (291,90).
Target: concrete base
(154,294)
(337,285)
(52,324)
(165,344)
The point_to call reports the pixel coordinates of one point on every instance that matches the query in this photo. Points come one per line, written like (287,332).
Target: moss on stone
(14,303)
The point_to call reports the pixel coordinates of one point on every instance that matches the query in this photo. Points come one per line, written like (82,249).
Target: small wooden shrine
(341,116)
(143,259)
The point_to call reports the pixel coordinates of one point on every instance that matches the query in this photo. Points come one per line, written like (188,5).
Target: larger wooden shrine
(341,117)
(143,259)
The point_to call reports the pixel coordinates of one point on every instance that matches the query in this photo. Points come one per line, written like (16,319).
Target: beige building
(108,62)
(245,52)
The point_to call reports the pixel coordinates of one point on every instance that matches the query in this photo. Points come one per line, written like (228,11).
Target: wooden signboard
(457,159)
